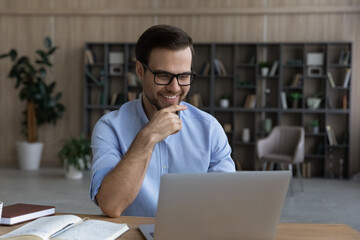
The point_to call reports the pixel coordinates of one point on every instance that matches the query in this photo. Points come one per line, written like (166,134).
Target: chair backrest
(287,138)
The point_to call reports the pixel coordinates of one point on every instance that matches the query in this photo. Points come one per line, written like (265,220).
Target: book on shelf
(296,80)
(331,135)
(344,102)
(250,101)
(220,69)
(196,100)
(205,69)
(22,212)
(89,57)
(347,77)
(67,227)
(331,80)
(274,68)
(344,57)
(283,100)
(306,169)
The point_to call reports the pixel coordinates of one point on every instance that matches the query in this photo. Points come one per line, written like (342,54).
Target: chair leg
(264,166)
(298,170)
(291,180)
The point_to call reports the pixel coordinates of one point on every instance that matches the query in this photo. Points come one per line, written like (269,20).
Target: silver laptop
(240,205)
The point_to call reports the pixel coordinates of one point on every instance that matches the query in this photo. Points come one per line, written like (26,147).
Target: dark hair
(161,36)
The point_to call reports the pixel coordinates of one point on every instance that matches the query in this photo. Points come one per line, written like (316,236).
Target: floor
(322,201)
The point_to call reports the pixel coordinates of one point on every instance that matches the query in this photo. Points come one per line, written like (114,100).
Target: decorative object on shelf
(264,68)
(294,62)
(274,68)
(250,101)
(313,102)
(296,80)
(42,104)
(227,127)
(283,100)
(341,168)
(196,100)
(344,58)
(116,70)
(268,125)
(116,58)
(347,77)
(315,62)
(331,80)
(295,98)
(75,156)
(314,124)
(225,101)
(246,135)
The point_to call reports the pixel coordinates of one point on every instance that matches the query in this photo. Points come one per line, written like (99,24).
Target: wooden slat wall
(71,23)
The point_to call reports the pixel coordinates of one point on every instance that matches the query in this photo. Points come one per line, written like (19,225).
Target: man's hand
(165,122)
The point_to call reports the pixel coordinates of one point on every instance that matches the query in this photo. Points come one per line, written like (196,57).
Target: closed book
(22,212)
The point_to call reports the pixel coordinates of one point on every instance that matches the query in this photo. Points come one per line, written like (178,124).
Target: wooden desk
(288,231)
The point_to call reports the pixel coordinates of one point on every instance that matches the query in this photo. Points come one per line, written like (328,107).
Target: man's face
(156,97)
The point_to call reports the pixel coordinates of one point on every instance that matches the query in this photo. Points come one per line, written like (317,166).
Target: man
(158,134)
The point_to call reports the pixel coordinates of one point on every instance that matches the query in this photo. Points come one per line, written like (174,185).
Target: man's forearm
(121,186)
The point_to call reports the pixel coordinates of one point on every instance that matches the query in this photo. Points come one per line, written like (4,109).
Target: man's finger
(175,108)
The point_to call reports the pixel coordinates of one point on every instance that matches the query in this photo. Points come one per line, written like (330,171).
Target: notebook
(239,205)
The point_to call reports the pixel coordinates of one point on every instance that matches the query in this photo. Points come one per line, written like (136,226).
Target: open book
(67,227)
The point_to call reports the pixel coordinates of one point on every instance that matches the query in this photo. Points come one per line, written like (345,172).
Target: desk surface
(293,231)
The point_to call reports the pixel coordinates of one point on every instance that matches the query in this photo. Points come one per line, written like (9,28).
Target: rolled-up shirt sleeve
(106,154)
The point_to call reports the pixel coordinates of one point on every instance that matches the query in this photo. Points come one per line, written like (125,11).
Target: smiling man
(158,134)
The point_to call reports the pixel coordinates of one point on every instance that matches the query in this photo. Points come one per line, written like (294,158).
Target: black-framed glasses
(165,78)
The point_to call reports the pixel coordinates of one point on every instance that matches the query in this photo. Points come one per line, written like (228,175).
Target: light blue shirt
(200,146)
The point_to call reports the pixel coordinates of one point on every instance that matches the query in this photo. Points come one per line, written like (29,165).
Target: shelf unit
(243,78)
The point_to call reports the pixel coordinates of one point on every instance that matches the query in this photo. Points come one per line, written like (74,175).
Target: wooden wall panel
(71,23)
(219,28)
(26,34)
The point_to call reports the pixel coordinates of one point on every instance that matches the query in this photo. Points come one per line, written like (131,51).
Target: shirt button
(164,167)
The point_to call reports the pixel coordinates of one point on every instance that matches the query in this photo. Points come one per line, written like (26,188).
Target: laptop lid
(244,205)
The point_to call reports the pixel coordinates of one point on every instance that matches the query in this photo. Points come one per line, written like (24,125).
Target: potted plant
(314,101)
(225,101)
(264,68)
(314,124)
(75,156)
(295,97)
(42,104)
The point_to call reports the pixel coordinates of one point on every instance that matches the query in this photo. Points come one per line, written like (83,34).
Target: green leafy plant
(76,152)
(264,64)
(295,96)
(42,104)
(314,123)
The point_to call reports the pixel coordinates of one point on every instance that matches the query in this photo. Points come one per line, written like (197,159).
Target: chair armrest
(264,146)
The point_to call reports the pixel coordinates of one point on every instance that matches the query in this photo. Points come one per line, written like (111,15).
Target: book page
(93,230)
(44,227)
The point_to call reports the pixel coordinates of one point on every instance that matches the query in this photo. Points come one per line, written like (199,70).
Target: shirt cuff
(96,181)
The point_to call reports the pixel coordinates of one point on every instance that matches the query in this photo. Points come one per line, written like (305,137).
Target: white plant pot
(224,103)
(313,103)
(264,71)
(29,155)
(73,173)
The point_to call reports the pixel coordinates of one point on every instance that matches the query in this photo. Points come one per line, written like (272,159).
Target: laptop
(238,205)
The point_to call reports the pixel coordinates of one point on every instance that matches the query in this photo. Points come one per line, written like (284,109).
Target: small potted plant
(295,98)
(314,124)
(42,104)
(225,101)
(314,101)
(264,68)
(75,156)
